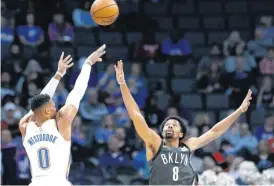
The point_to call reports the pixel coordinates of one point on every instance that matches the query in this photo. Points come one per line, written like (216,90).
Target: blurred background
(191,58)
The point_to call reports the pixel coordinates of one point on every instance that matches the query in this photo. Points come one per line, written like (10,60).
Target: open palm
(246,102)
(120,77)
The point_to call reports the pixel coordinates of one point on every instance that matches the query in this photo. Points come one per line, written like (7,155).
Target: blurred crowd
(104,141)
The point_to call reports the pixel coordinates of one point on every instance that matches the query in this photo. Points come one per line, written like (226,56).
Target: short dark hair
(181,122)
(39,100)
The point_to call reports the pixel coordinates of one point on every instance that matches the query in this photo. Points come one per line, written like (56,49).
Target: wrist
(88,62)
(57,76)
(240,110)
(60,73)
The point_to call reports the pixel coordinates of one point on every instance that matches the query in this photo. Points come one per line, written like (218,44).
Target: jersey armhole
(183,144)
(56,125)
(158,151)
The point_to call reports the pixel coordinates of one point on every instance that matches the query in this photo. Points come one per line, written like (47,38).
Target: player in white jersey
(47,133)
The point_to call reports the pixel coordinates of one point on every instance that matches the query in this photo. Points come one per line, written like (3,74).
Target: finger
(70,65)
(115,68)
(67,58)
(61,57)
(102,48)
(248,94)
(101,53)
(68,62)
(99,59)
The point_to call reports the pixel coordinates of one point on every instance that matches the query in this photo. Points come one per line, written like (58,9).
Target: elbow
(136,115)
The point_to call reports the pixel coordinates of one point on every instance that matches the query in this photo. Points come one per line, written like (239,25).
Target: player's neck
(172,142)
(40,120)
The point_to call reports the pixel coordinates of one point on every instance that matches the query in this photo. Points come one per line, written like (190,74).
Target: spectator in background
(32,80)
(8,150)
(247,141)
(140,163)
(176,46)
(172,111)
(14,62)
(92,109)
(6,138)
(239,82)
(147,49)
(266,93)
(209,163)
(112,96)
(264,35)
(266,131)
(60,31)
(216,56)
(212,146)
(263,159)
(135,73)
(267,63)
(12,116)
(232,135)
(81,16)
(136,84)
(201,119)
(78,135)
(126,148)
(234,167)
(30,34)
(113,158)
(7,32)
(105,76)
(60,95)
(239,50)
(211,81)
(153,114)
(6,85)
(23,165)
(104,133)
(234,39)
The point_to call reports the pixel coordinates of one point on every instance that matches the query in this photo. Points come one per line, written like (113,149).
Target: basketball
(104,12)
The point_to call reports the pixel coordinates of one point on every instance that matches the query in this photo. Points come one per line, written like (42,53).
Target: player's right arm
(68,112)
(150,137)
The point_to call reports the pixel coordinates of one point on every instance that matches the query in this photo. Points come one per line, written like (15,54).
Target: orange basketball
(104,12)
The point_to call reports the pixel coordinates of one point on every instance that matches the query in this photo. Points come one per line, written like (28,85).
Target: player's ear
(47,110)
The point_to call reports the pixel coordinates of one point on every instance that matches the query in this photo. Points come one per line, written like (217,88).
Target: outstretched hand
(64,64)
(97,55)
(120,77)
(246,102)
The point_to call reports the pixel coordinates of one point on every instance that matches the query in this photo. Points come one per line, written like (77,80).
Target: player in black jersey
(169,158)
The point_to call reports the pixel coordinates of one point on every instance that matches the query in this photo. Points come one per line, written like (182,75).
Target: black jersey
(171,166)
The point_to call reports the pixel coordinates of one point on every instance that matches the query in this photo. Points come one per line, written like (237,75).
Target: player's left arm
(50,88)
(29,117)
(220,128)
(68,112)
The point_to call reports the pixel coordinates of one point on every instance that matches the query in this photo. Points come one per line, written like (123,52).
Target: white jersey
(48,151)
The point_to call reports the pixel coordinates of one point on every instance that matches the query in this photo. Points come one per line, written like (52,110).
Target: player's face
(172,129)
(50,109)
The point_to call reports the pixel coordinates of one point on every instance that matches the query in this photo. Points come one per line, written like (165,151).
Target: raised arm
(149,136)
(63,65)
(49,89)
(221,127)
(67,113)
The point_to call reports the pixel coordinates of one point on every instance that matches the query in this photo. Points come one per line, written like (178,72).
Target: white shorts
(50,181)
